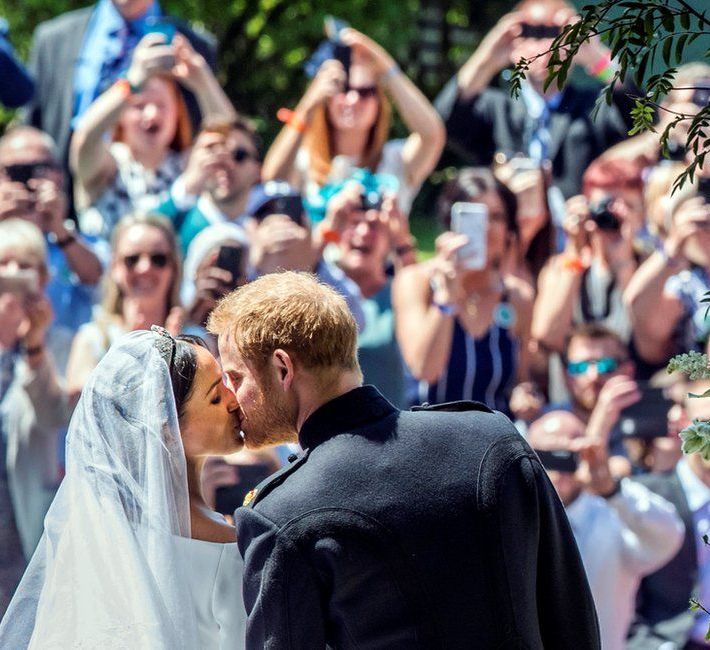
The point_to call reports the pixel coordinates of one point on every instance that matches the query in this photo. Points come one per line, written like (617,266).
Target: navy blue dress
(480,369)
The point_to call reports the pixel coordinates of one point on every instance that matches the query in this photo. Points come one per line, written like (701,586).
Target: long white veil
(107,573)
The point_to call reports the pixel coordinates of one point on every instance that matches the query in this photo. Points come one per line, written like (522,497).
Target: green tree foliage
(644,36)
(264,43)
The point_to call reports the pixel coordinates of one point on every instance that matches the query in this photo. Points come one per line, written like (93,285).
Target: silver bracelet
(392,71)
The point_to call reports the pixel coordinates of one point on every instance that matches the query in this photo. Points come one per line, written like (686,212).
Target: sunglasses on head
(158,260)
(363,92)
(240,154)
(604,366)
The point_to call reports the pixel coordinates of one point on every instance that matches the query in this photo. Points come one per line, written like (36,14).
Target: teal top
(380,358)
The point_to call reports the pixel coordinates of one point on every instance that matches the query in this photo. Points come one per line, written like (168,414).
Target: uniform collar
(355,409)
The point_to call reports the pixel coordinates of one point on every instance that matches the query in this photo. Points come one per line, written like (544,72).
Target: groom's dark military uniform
(425,529)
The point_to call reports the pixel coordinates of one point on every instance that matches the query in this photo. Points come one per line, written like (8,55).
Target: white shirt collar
(696,492)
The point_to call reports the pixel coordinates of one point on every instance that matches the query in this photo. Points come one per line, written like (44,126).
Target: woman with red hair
(343,121)
(147,119)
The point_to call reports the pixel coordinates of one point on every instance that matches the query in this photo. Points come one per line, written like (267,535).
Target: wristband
(445,308)
(671,262)
(291,119)
(572,263)
(125,87)
(603,68)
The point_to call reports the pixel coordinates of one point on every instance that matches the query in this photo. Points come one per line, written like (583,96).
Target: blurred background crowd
(546,270)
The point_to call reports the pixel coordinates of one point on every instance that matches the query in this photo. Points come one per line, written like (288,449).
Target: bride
(131,556)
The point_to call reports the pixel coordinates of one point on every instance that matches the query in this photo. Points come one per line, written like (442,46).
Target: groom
(435,528)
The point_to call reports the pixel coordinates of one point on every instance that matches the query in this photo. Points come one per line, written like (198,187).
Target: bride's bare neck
(205,524)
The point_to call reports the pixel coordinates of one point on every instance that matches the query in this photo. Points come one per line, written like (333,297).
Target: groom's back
(414,530)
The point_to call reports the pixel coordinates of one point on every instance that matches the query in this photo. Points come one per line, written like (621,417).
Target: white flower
(696,439)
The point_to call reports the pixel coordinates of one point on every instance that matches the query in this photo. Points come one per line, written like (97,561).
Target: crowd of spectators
(133,193)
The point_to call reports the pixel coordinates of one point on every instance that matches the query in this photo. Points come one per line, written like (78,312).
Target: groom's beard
(270,422)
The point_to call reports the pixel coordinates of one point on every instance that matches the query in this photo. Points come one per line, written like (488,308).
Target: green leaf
(667,46)
(685,20)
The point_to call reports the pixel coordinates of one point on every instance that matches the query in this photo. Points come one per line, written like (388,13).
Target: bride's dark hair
(179,354)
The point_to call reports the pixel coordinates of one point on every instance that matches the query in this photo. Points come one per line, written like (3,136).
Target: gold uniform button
(249,497)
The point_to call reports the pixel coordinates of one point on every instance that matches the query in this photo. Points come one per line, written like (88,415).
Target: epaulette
(463,405)
(254,496)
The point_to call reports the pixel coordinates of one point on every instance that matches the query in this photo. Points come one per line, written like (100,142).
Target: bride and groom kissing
(430,528)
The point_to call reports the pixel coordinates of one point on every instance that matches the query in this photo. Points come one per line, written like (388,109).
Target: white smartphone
(471,219)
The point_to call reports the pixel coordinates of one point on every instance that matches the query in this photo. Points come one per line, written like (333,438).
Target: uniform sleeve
(542,563)
(282,596)
(652,531)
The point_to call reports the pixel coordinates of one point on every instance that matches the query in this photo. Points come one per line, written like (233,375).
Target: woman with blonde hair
(343,121)
(141,288)
(150,130)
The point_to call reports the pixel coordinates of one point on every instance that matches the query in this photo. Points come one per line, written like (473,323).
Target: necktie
(125,41)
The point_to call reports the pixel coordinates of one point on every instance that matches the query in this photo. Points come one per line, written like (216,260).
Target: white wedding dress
(116,567)
(215,577)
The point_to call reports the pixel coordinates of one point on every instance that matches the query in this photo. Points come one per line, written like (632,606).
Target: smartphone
(24,282)
(161,25)
(471,219)
(228,499)
(521,164)
(291,206)
(540,31)
(647,418)
(704,188)
(230,259)
(333,27)
(558,460)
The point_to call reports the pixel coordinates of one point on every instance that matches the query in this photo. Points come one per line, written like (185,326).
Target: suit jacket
(493,121)
(426,529)
(662,613)
(56,47)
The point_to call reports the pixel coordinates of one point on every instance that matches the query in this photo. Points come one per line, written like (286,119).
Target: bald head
(26,144)
(555,430)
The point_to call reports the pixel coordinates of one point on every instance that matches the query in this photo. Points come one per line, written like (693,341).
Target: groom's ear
(283,364)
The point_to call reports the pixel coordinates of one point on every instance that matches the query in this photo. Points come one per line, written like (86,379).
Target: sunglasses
(158,260)
(240,154)
(364,92)
(604,366)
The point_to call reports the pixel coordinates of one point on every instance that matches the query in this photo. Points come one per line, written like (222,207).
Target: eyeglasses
(240,154)
(158,260)
(364,92)
(604,366)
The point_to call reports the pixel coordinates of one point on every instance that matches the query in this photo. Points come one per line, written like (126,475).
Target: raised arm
(425,297)
(279,161)
(427,134)
(645,295)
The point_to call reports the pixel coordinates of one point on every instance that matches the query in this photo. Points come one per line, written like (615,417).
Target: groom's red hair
(291,311)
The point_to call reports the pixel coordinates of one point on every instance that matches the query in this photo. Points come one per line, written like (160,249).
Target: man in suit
(552,125)
(429,529)
(79,54)
(664,620)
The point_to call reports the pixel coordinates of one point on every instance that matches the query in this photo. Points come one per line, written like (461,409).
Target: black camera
(602,215)
(370,200)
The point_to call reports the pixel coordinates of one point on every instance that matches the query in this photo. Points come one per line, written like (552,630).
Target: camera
(370,200)
(602,215)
